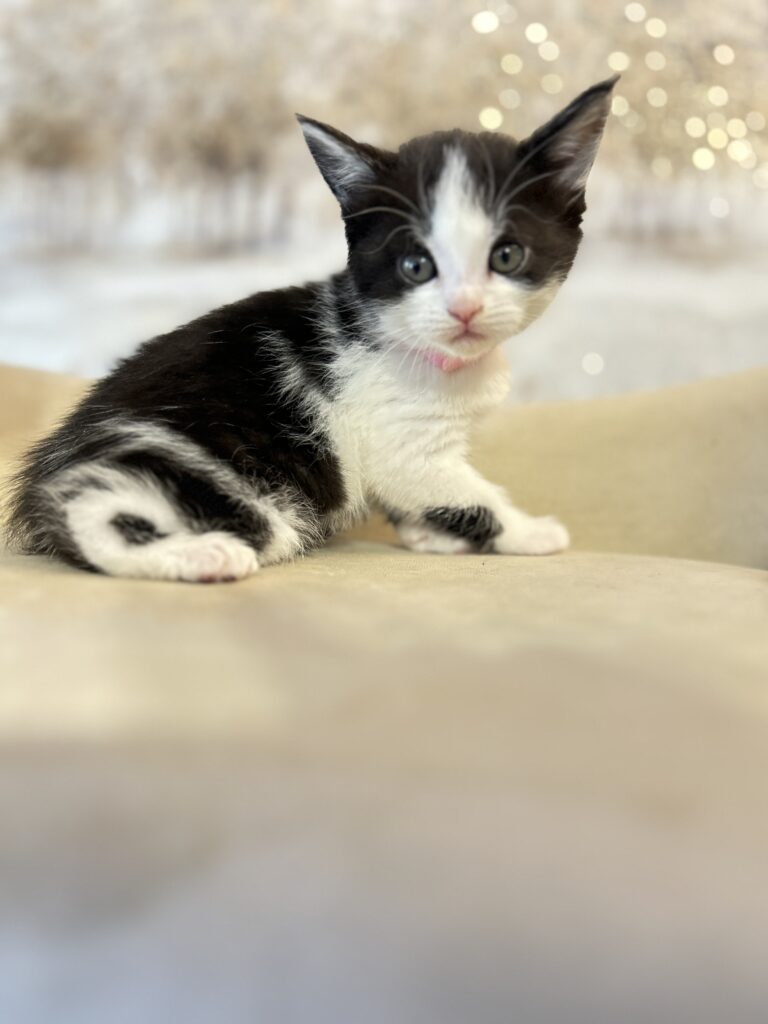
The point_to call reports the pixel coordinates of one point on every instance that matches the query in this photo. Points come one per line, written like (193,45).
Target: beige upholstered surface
(679,473)
(383,787)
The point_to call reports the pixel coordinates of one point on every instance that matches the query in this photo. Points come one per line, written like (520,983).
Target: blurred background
(151,167)
(355,790)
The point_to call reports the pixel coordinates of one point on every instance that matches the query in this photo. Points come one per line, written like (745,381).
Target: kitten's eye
(417,268)
(507,258)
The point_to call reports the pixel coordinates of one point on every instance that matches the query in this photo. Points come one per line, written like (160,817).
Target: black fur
(136,529)
(217,382)
(202,503)
(477,525)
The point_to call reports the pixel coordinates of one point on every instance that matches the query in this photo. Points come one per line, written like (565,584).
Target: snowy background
(630,317)
(151,168)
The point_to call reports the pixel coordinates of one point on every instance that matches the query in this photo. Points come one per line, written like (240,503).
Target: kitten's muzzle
(468,333)
(465,309)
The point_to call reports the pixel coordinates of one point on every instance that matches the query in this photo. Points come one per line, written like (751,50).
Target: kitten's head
(458,241)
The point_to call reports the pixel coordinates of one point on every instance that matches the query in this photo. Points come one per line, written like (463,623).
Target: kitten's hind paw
(533,536)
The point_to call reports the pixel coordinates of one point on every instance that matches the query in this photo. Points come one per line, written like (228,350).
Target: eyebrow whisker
(390,236)
(381,209)
(528,182)
(390,191)
(507,208)
(519,166)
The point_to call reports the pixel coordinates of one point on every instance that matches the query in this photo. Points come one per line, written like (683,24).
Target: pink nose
(465,310)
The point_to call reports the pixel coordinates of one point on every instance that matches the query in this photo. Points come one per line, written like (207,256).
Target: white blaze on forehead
(461,232)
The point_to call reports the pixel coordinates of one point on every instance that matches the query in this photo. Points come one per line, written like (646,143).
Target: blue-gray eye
(507,258)
(417,268)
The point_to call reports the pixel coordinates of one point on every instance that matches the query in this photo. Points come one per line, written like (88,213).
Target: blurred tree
(105,105)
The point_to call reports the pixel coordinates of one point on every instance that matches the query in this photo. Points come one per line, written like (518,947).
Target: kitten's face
(458,241)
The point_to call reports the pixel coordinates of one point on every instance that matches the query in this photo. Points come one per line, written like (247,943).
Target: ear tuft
(344,163)
(569,141)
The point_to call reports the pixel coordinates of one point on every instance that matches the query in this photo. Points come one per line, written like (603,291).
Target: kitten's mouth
(468,333)
(448,363)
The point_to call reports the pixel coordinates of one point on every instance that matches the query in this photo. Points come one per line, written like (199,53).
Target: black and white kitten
(250,435)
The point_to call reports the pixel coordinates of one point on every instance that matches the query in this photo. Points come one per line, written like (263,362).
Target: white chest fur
(398,417)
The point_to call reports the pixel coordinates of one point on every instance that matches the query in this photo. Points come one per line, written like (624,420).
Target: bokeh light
(723,54)
(696,127)
(593,363)
(635,12)
(491,118)
(549,50)
(485,22)
(655,60)
(703,159)
(717,138)
(536,32)
(717,95)
(656,28)
(511,63)
(552,84)
(510,98)
(618,61)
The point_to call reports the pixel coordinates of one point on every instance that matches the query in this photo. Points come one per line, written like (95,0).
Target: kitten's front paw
(533,536)
(422,538)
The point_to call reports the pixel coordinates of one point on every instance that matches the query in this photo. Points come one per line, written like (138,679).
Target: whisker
(421,187)
(390,236)
(380,209)
(518,167)
(506,209)
(390,191)
(527,183)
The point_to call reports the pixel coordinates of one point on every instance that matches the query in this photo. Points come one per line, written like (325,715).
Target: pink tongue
(445,363)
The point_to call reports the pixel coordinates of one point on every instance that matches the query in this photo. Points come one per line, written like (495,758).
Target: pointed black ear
(344,163)
(568,143)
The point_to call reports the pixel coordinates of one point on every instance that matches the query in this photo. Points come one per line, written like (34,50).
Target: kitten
(250,435)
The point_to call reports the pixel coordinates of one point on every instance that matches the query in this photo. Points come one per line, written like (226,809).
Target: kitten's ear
(568,143)
(344,163)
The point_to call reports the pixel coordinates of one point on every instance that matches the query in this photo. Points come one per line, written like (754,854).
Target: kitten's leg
(449,508)
(148,523)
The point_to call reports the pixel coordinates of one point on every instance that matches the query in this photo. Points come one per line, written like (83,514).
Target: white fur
(401,429)
(461,234)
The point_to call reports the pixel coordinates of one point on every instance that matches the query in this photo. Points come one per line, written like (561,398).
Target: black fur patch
(136,529)
(203,503)
(477,524)
(218,381)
